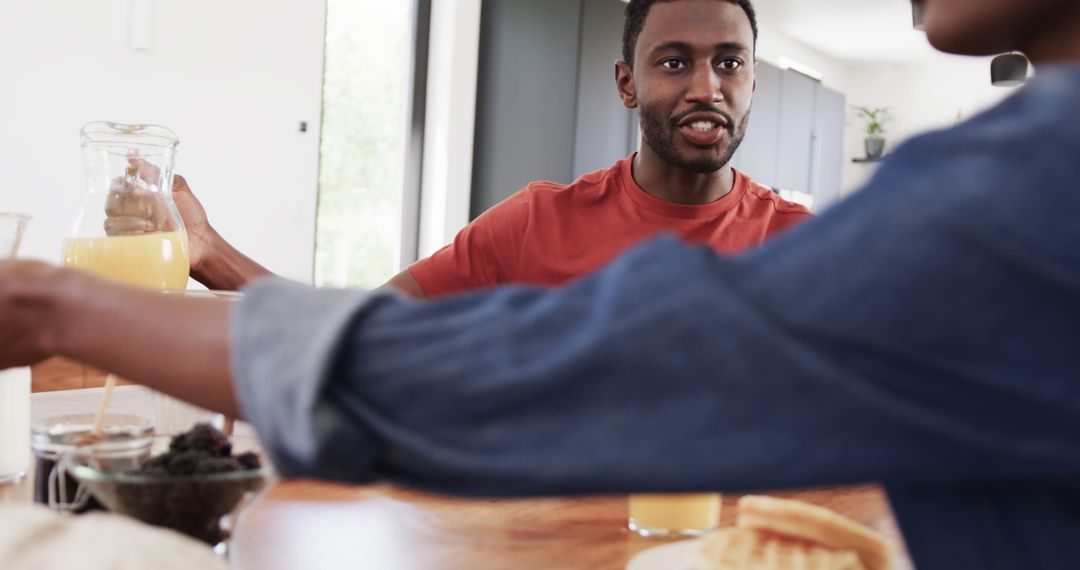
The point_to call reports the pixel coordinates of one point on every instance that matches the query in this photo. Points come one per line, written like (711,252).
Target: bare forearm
(404,282)
(225,268)
(176,345)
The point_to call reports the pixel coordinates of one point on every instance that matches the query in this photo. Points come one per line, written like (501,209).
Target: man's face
(693,81)
(987,27)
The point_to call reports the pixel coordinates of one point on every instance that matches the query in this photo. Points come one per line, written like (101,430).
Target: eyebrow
(685,46)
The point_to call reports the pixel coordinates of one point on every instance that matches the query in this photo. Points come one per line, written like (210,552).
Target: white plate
(674,556)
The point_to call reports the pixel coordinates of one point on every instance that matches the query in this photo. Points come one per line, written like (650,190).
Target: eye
(729,64)
(673,63)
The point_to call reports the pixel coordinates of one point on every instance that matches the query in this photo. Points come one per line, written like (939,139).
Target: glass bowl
(203,506)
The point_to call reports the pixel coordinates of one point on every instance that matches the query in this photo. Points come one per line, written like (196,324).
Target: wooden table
(315,525)
(59,373)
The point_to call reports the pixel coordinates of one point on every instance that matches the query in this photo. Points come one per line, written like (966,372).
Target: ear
(624,83)
(754,88)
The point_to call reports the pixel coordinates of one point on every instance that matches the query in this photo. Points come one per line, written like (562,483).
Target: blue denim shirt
(924,334)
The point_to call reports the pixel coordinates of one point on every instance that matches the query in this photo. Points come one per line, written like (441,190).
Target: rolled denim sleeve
(671,370)
(284,342)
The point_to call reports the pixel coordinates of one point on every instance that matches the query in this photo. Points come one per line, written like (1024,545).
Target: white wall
(922,96)
(232,78)
(774,45)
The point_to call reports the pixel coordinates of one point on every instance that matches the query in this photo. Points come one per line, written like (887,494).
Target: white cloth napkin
(35,538)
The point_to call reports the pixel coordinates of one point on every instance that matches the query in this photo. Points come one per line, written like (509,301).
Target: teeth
(703,126)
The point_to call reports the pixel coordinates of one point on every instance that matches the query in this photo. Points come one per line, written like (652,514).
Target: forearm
(405,283)
(177,345)
(225,268)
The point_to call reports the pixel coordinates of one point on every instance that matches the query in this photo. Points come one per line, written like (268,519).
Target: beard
(659,134)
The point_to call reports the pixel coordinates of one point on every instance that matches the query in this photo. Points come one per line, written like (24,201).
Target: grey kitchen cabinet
(757,153)
(606,131)
(795,139)
(526,96)
(828,151)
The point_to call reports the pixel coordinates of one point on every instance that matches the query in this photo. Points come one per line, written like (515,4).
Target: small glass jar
(126,445)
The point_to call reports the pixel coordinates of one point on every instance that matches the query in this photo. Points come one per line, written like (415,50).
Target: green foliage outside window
(362,152)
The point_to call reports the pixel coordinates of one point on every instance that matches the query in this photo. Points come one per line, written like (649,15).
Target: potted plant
(875,118)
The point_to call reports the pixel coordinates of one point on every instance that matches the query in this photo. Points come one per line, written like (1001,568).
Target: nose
(704,86)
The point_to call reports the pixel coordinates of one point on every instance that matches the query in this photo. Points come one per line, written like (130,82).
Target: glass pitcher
(128,228)
(14,382)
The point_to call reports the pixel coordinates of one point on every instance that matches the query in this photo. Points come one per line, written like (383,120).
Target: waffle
(746,549)
(817,525)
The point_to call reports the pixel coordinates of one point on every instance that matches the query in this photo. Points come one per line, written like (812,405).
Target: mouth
(703,129)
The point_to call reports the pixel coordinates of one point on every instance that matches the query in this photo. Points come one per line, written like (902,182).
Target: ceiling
(850,30)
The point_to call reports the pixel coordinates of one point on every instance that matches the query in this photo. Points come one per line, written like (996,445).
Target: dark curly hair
(636,11)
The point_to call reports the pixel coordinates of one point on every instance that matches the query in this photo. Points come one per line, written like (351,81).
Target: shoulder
(587,186)
(762,197)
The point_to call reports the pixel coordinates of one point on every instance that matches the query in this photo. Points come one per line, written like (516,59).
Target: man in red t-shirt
(691,76)
(548,234)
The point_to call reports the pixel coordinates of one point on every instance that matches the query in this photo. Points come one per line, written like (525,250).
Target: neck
(1059,42)
(670,183)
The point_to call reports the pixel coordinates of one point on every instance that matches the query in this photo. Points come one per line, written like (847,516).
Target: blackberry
(249,460)
(210,465)
(202,437)
(152,471)
(159,462)
(185,462)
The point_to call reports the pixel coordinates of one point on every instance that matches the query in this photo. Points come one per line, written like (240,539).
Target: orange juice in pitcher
(155,260)
(127,228)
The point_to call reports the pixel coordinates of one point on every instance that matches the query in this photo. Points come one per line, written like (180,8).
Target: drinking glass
(14,382)
(683,514)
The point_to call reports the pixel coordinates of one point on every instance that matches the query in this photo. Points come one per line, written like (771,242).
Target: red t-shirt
(548,234)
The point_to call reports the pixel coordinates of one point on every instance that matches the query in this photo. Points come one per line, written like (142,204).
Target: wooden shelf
(62,374)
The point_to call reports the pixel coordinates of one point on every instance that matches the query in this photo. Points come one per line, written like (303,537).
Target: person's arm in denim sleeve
(671,369)
(923,331)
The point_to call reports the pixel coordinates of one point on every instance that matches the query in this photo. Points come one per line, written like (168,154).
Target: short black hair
(636,11)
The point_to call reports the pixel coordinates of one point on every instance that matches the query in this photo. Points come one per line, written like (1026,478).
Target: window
(365,147)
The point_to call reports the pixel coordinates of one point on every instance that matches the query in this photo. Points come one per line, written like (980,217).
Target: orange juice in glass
(681,514)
